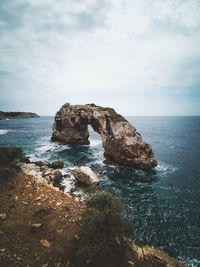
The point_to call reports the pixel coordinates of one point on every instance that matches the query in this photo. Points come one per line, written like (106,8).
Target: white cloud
(61,50)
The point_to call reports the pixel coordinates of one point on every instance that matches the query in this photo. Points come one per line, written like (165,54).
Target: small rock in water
(59,164)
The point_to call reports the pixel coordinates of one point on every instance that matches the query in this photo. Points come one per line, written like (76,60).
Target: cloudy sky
(141,57)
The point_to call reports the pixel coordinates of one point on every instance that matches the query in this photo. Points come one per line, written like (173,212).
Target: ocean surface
(162,204)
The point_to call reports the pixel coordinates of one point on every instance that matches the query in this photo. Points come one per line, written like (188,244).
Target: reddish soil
(36,223)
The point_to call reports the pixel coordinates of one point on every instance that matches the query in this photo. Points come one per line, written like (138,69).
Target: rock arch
(122,143)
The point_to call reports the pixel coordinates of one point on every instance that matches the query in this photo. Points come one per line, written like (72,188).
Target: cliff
(38,223)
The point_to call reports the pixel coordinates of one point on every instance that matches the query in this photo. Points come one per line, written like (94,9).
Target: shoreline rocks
(82,177)
(41,170)
(121,141)
(85,176)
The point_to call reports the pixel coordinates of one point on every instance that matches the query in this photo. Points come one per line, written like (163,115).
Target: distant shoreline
(17,115)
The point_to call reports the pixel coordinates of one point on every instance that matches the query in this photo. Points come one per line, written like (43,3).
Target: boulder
(121,141)
(86,176)
(59,164)
(56,177)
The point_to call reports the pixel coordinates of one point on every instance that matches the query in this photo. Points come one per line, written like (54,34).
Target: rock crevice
(121,141)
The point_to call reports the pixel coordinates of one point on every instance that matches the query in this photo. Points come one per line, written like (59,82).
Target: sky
(141,57)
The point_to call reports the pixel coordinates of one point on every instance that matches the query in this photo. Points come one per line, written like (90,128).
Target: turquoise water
(163,204)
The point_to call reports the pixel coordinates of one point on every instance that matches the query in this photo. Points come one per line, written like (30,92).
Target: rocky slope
(121,141)
(37,222)
(17,115)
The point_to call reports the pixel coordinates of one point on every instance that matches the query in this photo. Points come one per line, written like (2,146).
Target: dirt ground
(36,223)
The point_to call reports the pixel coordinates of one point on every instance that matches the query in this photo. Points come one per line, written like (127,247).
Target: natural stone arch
(121,142)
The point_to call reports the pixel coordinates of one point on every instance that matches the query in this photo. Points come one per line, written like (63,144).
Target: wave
(4,131)
(46,149)
(69,183)
(191,262)
(94,143)
(165,168)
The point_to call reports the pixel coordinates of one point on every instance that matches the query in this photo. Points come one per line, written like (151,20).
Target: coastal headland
(17,115)
(38,222)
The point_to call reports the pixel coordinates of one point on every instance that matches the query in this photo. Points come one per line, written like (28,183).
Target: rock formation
(86,176)
(17,115)
(121,142)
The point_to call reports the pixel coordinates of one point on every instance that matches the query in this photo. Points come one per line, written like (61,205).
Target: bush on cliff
(9,157)
(101,240)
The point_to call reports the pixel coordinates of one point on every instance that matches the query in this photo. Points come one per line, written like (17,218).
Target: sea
(162,204)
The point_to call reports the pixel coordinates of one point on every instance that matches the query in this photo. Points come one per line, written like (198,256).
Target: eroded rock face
(121,142)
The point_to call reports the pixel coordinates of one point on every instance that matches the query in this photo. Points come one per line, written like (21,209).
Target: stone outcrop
(150,256)
(40,170)
(17,115)
(86,176)
(121,141)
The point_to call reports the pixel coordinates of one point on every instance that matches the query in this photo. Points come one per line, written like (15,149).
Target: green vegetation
(9,157)
(101,240)
(115,116)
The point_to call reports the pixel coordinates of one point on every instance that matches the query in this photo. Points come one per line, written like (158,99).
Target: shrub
(9,157)
(101,240)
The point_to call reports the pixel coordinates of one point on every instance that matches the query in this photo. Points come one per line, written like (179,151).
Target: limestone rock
(50,175)
(121,141)
(86,176)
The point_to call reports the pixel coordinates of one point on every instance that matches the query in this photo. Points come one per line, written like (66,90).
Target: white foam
(192,262)
(165,168)
(4,131)
(69,183)
(45,149)
(94,143)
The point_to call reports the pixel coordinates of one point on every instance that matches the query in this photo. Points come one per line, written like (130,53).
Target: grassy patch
(115,116)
